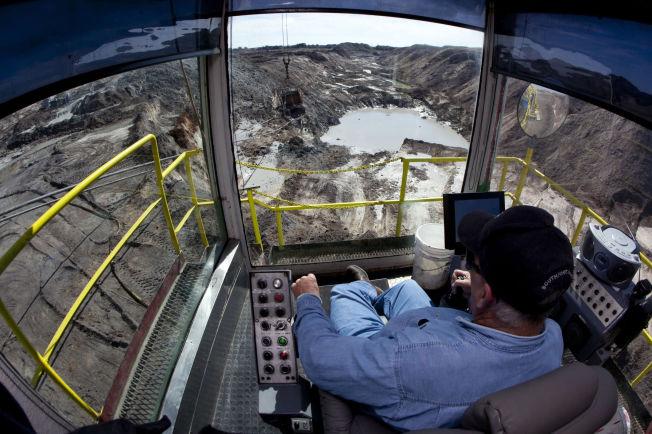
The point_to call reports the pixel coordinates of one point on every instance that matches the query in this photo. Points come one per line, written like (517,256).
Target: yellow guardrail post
(401,199)
(164,201)
(578,228)
(254,217)
(523,176)
(195,202)
(503,176)
(279,226)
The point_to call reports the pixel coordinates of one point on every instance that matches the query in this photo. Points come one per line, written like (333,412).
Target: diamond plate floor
(149,382)
(237,403)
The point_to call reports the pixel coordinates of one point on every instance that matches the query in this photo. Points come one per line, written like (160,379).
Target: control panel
(595,296)
(272,312)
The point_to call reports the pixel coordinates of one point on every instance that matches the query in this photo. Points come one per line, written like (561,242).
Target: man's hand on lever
(461,279)
(305,285)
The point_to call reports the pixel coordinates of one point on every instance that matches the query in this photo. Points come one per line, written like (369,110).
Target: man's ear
(487,297)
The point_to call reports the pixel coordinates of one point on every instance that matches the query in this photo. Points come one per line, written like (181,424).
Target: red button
(284,355)
(278,297)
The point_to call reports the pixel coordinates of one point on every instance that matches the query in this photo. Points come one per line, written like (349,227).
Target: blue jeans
(356,307)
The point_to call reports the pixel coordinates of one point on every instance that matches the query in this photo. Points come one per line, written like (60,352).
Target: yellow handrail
(43,365)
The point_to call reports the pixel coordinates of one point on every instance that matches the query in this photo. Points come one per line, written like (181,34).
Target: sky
(333,28)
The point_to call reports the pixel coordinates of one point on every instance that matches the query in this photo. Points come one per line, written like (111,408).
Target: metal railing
(526,167)
(43,360)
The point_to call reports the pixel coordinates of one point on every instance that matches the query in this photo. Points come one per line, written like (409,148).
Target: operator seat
(572,399)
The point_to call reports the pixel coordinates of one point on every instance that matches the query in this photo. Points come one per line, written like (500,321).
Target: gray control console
(272,312)
(591,311)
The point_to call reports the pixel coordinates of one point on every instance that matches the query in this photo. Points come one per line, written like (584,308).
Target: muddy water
(375,130)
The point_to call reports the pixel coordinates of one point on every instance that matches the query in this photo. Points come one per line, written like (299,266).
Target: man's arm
(352,367)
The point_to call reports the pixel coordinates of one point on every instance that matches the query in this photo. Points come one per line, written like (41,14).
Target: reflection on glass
(541,111)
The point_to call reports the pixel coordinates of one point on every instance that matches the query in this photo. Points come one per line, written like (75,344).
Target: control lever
(454,296)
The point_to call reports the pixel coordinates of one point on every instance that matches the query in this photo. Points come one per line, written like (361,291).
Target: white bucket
(431,259)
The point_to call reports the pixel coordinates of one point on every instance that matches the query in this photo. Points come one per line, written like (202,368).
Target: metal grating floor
(156,363)
(237,402)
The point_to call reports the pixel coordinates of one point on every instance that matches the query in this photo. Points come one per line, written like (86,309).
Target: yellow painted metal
(205,202)
(642,375)
(647,337)
(195,202)
(399,215)
(279,227)
(578,228)
(177,161)
(185,218)
(523,176)
(254,218)
(503,176)
(648,368)
(164,201)
(339,205)
(435,160)
(84,293)
(13,251)
(43,363)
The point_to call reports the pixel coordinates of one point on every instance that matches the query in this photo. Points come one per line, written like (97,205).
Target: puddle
(375,130)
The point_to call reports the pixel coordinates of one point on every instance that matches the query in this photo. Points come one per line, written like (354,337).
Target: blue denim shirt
(417,374)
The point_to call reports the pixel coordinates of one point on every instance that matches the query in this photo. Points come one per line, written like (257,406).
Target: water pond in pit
(375,130)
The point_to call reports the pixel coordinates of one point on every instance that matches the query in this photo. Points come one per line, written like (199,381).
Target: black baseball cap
(527,261)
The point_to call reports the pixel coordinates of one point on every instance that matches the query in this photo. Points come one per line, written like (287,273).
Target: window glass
(325,106)
(596,159)
(48,147)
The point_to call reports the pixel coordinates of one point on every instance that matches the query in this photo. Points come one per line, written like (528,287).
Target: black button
(262,298)
(264,325)
(613,312)
(602,298)
(608,305)
(269,369)
(262,283)
(600,313)
(263,311)
(595,305)
(285,369)
(268,355)
(280,311)
(267,341)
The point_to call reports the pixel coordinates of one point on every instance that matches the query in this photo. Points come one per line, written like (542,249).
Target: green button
(282,340)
